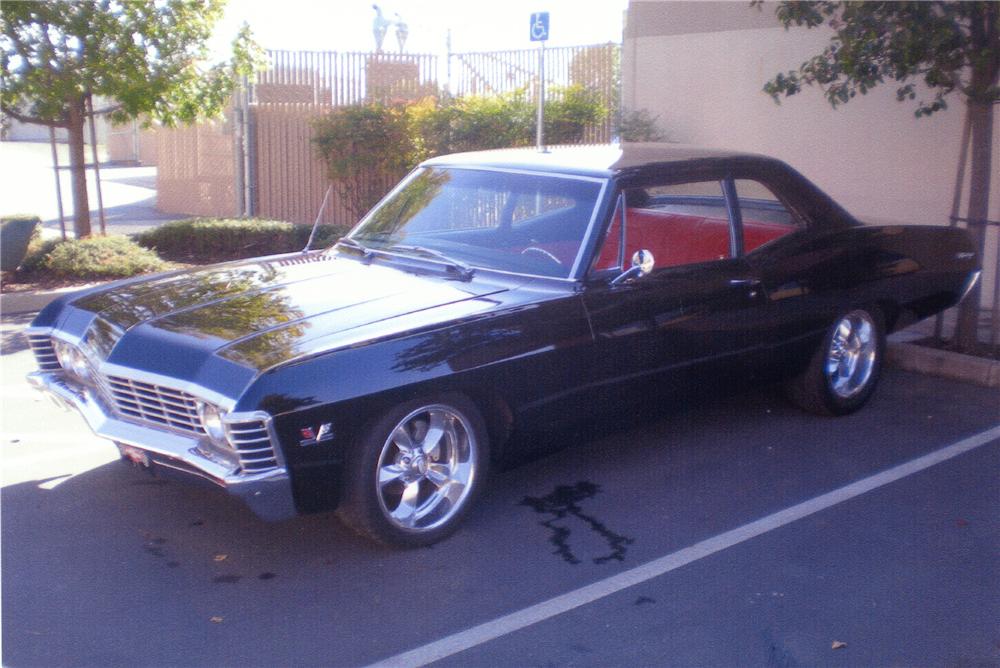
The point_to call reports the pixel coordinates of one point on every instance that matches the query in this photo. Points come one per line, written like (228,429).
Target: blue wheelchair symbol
(539,27)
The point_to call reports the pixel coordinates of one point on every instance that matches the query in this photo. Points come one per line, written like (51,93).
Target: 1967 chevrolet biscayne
(487,292)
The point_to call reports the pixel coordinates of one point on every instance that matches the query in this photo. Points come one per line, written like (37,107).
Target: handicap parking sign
(539,26)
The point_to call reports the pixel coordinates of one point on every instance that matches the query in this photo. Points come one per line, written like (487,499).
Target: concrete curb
(944,363)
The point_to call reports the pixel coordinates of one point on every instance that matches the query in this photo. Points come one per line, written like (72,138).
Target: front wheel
(843,372)
(413,476)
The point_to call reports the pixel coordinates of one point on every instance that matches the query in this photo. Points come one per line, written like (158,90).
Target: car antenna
(319,216)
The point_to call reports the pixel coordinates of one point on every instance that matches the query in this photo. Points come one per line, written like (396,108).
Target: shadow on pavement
(15,341)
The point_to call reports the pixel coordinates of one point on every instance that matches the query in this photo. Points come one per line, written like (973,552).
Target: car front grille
(163,407)
(155,404)
(253,445)
(45,353)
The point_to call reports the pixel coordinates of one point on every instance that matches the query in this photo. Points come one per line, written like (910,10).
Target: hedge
(219,239)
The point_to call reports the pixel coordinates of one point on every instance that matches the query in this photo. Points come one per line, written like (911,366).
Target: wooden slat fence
(332,77)
(287,179)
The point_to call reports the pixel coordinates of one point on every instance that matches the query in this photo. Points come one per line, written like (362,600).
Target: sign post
(540,33)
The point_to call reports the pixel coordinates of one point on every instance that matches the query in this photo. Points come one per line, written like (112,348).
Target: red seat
(675,239)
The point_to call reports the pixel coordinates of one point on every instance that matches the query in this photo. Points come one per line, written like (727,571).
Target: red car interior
(676,239)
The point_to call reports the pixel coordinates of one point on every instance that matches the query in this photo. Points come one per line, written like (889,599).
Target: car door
(792,263)
(698,311)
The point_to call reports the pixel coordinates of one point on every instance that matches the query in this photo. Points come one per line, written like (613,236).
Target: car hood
(254,315)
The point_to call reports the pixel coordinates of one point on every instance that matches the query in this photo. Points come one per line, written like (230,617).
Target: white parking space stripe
(515,621)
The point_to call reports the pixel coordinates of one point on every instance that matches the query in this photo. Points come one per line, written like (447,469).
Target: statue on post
(379,26)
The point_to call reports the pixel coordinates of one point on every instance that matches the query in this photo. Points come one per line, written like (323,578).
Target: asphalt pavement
(105,565)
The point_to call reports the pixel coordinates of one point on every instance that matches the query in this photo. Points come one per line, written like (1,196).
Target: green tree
(148,59)
(951,48)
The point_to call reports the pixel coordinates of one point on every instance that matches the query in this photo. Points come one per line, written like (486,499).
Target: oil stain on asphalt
(561,506)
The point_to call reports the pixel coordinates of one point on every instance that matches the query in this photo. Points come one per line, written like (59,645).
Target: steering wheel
(544,253)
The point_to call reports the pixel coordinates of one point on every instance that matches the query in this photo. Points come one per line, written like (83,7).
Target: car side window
(765,216)
(684,223)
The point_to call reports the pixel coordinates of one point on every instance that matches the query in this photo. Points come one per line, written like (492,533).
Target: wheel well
(890,314)
(498,416)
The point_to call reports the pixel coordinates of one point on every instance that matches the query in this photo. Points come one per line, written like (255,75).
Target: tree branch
(106,110)
(25,118)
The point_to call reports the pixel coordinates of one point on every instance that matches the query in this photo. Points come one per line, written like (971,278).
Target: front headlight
(211,422)
(72,360)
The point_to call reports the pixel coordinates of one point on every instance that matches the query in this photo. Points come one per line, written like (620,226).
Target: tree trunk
(981,120)
(78,167)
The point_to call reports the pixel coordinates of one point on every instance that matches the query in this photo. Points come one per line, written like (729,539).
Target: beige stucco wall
(701,66)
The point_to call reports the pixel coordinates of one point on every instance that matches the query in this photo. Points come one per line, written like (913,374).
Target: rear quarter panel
(909,271)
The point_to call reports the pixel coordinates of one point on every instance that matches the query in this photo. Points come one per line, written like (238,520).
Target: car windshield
(515,222)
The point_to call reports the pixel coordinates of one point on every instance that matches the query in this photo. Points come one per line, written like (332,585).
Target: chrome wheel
(851,357)
(426,468)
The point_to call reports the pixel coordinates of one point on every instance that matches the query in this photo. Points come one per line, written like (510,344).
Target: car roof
(599,160)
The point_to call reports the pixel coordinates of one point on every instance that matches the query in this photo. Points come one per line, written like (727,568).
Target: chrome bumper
(268,494)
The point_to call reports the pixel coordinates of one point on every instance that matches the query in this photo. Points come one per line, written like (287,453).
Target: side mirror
(642,264)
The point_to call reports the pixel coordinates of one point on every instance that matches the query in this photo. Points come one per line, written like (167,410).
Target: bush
(219,239)
(16,233)
(476,123)
(639,126)
(91,258)
(367,148)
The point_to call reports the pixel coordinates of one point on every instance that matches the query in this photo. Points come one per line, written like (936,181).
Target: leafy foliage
(639,125)
(95,257)
(16,233)
(148,58)
(369,147)
(948,47)
(217,239)
(941,44)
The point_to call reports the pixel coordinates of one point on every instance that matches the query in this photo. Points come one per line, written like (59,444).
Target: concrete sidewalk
(27,185)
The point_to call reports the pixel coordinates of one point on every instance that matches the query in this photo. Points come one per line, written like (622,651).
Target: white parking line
(477,635)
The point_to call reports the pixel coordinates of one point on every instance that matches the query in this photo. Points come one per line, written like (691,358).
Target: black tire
(857,357)
(406,488)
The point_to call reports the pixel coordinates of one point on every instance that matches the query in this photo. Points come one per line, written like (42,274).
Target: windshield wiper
(366,253)
(465,271)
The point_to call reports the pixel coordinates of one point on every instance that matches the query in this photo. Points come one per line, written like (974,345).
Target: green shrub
(367,148)
(38,253)
(639,125)
(475,123)
(570,112)
(93,257)
(219,239)
(16,233)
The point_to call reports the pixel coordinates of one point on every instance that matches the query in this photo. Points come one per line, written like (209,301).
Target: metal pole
(55,170)
(995,329)
(956,201)
(249,152)
(447,84)
(541,98)
(135,141)
(97,166)
(239,128)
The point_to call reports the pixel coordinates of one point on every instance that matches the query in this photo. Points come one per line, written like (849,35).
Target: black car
(487,292)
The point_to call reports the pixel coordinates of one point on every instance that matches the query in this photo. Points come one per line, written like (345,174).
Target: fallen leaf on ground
(221,557)
(838,645)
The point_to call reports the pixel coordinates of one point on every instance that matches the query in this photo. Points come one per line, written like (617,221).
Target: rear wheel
(844,371)
(414,475)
